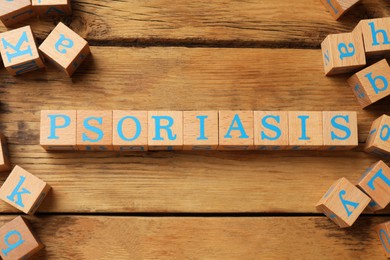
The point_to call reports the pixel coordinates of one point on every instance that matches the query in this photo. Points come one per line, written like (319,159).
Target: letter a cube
(342,53)
(52,7)
(65,48)
(378,141)
(375,182)
(338,7)
(15,11)
(372,83)
(23,190)
(343,203)
(18,241)
(19,51)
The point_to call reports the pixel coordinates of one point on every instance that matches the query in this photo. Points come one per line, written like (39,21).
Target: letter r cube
(65,48)
(343,203)
(23,190)
(19,51)
(18,241)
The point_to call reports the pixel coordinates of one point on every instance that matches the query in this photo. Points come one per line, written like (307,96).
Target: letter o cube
(65,48)
(378,141)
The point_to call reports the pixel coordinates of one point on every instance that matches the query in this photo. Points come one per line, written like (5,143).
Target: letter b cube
(343,203)
(65,48)
(23,190)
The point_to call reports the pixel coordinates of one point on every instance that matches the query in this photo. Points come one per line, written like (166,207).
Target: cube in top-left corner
(15,11)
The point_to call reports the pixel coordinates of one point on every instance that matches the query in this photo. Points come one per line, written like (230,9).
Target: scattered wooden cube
(5,164)
(372,83)
(271,130)
(340,130)
(18,241)
(378,141)
(338,8)
(65,48)
(94,130)
(52,7)
(383,231)
(343,203)
(375,182)
(58,130)
(375,33)
(236,130)
(130,130)
(165,130)
(305,130)
(23,190)
(200,130)
(343,53)
(19,51)
(15,11)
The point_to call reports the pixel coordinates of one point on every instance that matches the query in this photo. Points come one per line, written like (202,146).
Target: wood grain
(182,79)
(298,23)
(75,237)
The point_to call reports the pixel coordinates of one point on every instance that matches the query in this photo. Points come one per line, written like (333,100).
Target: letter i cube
(375,182)
(343,203)
(378,141)
(23,190)
(376,36)
(340,130)
(5,164)
(305,130)
(52,7)
(15,11)
(18,241)
(342,53)
(165,130)
(65,48)
(58,130)
(384,236)
(19,51)
(371,84)
(338,7)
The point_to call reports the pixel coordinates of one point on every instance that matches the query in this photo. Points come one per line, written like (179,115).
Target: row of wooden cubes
(63,47)
(197,130)
(15,11)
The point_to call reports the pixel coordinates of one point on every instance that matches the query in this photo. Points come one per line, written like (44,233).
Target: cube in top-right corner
(376,36)
(378,141)
(65,48)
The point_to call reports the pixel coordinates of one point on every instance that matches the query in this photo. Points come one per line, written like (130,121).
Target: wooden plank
(76,237)
(269,23)
(162,78)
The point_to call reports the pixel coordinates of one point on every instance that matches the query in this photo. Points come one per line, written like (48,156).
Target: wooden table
(192,55)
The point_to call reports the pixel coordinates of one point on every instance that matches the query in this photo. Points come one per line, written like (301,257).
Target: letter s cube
(65,48)
(18,241)
(23,190)
(378,141)
(343,203)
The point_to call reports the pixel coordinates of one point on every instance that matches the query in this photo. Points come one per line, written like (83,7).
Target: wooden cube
(340,130)
(58,130)
(165,130)
(23,190)
(19,51)
(305,130)
(338,8)
(375,182)
(15,11)
(94,130)
(52,7)
(383,231)
(271,130)
(236,130)
(343,203)
(376,36)
(200,130)
(18,240)
(343,53)
(378,141)
(130,130)
(65,48)
(5,164)
(372,83)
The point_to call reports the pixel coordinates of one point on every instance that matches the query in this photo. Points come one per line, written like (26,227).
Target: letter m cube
(19,51)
